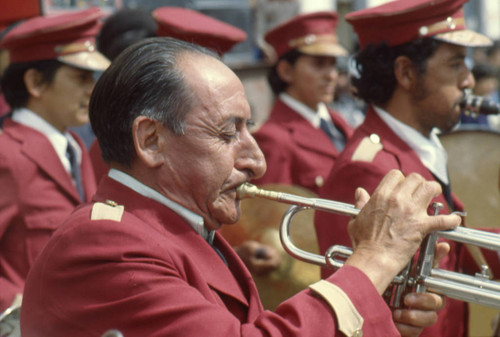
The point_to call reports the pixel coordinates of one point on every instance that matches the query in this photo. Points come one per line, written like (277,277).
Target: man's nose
(251,158)
(468,82)
(332,72)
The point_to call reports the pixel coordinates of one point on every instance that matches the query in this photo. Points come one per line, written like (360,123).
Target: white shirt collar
(58,140)
(430,150)
(190,217)
(312,116)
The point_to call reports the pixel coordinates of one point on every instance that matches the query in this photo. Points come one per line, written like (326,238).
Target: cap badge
(423,31)
(310,39)
(75,47)
(445,25)
(306,40)
(451,23)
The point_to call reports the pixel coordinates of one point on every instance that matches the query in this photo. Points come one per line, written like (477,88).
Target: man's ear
(148,140)
(284,70)
(33,82)
(405,72)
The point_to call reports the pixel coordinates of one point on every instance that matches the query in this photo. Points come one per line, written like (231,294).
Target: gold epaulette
(367,148)
(108,210)
(350,321)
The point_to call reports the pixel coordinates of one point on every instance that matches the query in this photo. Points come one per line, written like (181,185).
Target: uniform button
(310,39)
(358,333)
(111,203)
(423,31)
(319,181)
(374,138)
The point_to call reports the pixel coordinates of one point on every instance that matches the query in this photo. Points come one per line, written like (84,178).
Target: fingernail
(397,314)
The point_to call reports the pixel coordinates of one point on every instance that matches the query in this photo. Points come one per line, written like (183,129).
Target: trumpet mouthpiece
(246,190)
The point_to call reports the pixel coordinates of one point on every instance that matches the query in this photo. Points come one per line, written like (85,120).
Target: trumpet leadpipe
(247,190)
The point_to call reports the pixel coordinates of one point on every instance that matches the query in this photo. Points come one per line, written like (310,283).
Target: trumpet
(478,105)
(422,277)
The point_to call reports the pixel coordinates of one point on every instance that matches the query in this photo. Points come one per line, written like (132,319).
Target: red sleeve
(9,209)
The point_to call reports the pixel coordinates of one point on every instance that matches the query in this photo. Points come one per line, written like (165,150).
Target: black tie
(210,241)
(75,170)
(446,192)
(337,137)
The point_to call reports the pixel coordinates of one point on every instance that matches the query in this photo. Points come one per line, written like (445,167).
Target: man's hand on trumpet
(392,224)
(386,234)
(420,308)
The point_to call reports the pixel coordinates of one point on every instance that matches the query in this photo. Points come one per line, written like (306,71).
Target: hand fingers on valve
(422,313)
(361,196)
(424,301)
(423,194)
(442,249)
(413,194)
(410,198)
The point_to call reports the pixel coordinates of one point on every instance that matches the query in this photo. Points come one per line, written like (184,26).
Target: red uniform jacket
(349,174)
(297,153)
(36,195)
(146,272)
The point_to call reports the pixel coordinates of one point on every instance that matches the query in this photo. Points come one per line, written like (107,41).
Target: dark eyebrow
(459,56)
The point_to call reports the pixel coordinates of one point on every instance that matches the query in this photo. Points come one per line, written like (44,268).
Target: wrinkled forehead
(213,84)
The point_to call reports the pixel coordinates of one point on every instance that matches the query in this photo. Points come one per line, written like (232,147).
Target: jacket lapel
(408,159)
(219,277)
(222,278)
(39,149)
(304,134)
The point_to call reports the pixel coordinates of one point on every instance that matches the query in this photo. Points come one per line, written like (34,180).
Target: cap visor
(466,38)
(93,61)
(324,49)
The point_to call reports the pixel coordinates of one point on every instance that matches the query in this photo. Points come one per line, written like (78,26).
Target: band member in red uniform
(302,137)
(192,26)
(144,258)
(411,70)
(45,171)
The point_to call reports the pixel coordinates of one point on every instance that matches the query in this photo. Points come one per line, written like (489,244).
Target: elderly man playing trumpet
(144,258)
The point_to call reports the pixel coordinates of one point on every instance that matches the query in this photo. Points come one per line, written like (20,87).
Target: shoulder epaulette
(367,148)
(108,210)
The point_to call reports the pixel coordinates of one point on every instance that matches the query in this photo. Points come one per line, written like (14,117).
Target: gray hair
(144,80)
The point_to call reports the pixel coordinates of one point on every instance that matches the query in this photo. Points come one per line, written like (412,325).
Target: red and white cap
(402,21)
(69,38)
(311,33)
